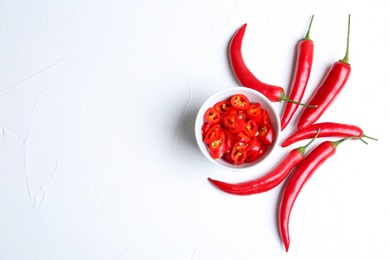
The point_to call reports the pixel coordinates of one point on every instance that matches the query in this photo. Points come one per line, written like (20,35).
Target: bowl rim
(226,93)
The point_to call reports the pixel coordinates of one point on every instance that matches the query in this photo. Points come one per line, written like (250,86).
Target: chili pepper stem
(369,137)
(361,139)
(307,36)
(284,97)
(302,149)
(336,143)
(346,57)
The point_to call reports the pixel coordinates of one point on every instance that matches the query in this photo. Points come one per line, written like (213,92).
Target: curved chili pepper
(246,77)
(269,180)
(298,178)
(328,129)
(303,64)
(330,87)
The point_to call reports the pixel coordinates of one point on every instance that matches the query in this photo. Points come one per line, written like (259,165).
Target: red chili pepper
(328,129)
(298,178)
(212,116)
(243,138)
(246,77)
(250,128)
(212,133)
(254,111)
(222,106)
(238,153)
(255,150)
(240,102)
(267,181)
(266,134)
(303,64)
(330,87)
(218,146)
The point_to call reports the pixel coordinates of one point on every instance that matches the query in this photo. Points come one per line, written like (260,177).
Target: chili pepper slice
(266,134)
(229,139)
(243,138)
(255,150)
(238,153)
(217,147)
(328,129)
(302,69)
(263,119)
(250,128)
(246,77)
(254,111)
(212,116)
(241,123)
(268,181)
(205,127)
(222,106)
(213,133)
(240,102)
(299,177)
(328,90)
(230,120)
(228,157)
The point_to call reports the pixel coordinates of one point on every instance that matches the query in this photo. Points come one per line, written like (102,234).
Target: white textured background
(98,158)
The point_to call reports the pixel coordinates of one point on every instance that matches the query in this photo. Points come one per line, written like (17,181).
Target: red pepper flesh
(266,134)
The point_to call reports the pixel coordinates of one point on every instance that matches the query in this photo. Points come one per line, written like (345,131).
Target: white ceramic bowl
(254,96)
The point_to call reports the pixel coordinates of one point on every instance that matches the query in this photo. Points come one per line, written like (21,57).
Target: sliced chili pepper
(299,177)
(263,119)
(302,69)
(246,77)
(222,106)
(255,150)
(243,138)
(266,134)
(228,157)
(230,120)
(328,90)
(213,133)
(212,116)
(328,129)
(240,102)
(241,123)
(238,153)
(218,146)
(254,111)
(229,139)
(205,127)
(250,128)
(268,181)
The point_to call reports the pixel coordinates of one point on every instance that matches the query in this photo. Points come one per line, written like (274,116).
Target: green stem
(285,98)
(336,143)
(346,57)
(302,149)
(307,36)
(369,137)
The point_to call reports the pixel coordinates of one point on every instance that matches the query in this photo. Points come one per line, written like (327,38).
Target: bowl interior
(253,96)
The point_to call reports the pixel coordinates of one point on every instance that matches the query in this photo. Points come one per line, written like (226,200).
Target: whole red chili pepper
(330,87)
(303,64)
(246,77)
(328,129)
(298,179)
(269,180)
